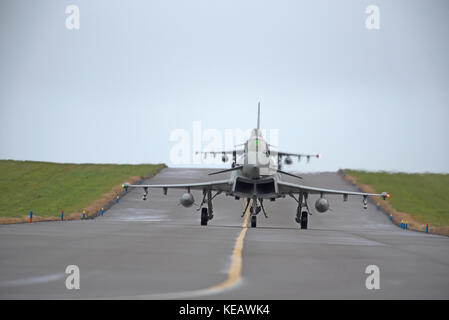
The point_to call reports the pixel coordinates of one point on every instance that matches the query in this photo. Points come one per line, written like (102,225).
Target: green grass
(424,196)
(47,188)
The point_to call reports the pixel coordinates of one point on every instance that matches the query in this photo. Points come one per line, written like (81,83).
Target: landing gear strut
(254,211)
(207,213)
(209,204)
(246,208)
(302,212)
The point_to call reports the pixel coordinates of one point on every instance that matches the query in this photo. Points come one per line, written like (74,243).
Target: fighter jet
(270,150)
(256,176)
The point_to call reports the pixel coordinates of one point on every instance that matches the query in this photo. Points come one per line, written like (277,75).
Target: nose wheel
(253,221)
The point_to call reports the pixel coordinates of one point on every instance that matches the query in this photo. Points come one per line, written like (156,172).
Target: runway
(156,249)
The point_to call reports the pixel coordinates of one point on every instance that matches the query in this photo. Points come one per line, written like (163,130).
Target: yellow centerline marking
(235,270)
(234,274)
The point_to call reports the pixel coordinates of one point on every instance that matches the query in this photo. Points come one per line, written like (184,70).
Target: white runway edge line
(234,275)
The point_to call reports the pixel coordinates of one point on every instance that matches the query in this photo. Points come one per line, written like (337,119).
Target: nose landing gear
(254,210)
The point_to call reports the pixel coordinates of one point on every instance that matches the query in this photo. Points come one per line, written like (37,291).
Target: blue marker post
(427,228)
(102,210)
(62,215)
(377,206)
(84,214)
(31,216)
(391,217)
(117,199)
(406,224)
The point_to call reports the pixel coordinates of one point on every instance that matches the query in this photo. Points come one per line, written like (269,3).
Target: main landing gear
(204,216)
(207,213)
(302,219)
(302,212)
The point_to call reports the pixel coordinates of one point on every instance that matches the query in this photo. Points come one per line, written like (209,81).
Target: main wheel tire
(204,216)
(253,221)
(304,218)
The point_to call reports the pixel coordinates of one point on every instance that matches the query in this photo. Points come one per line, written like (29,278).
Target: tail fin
(258,116)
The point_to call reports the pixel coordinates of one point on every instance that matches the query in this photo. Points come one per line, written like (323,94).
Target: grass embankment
(417,198)
(47,188)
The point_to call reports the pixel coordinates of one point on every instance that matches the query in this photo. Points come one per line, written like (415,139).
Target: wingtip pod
(125,185)
(385,195)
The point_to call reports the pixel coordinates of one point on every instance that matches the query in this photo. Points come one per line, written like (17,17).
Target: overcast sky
(136,71)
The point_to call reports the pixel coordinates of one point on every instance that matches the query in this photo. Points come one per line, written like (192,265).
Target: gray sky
(116,89)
